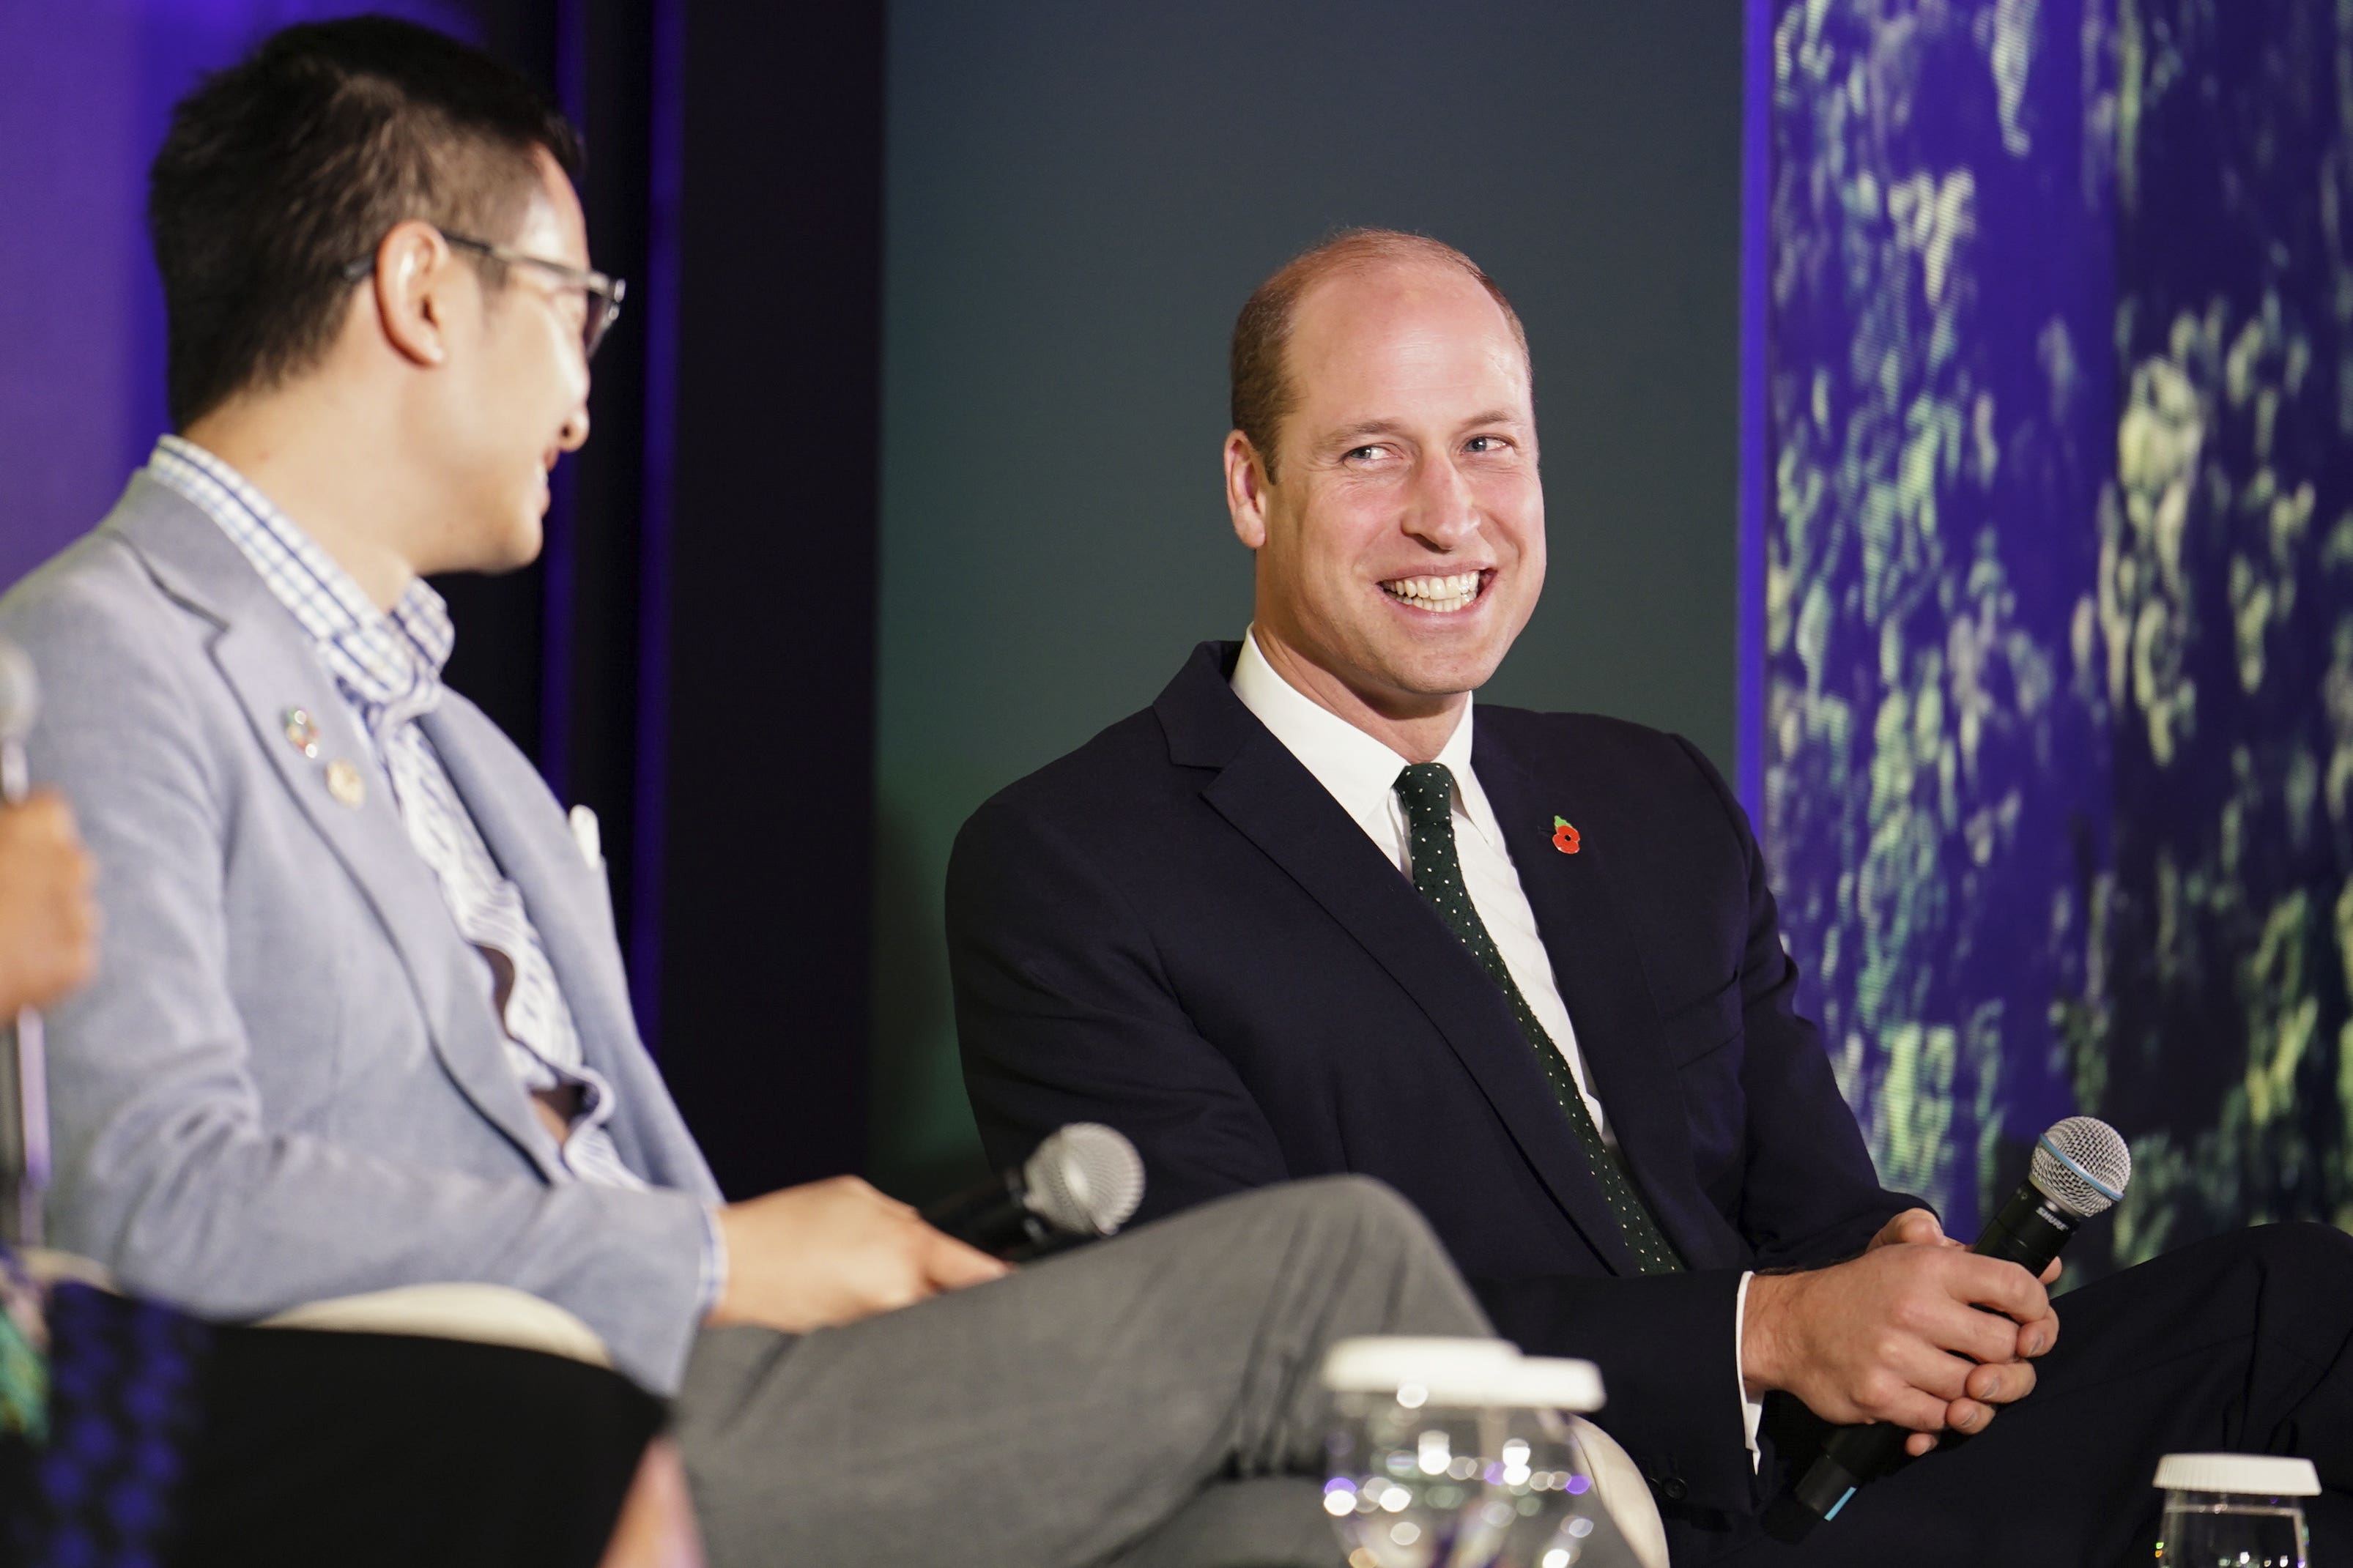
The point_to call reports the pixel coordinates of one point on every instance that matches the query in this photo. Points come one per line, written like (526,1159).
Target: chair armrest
(45,1267)
(486,1314)
(1627,1496)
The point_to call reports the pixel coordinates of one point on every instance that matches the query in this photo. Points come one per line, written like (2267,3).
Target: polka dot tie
(1428,790)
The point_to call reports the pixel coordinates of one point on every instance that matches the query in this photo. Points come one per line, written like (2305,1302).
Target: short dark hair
(281,172)
(1262,395)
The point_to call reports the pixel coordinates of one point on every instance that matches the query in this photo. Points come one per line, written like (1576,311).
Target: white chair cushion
(486,1314)
(1625,1494)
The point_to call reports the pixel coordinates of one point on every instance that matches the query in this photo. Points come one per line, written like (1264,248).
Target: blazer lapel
(267,663)
(1600,970)
(1272,799)
(566,896)
(375,850)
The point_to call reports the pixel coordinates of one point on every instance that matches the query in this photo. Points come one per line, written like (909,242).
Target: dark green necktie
(1428,790)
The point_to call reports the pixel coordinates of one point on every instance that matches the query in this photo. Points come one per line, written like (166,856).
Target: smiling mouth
(1439,595)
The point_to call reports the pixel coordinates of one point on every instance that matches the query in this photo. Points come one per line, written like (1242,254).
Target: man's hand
(1892,1335)
(1919,1225)
(833,1252)
(48,919)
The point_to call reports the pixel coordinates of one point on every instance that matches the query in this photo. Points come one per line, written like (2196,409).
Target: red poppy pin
(1564,836)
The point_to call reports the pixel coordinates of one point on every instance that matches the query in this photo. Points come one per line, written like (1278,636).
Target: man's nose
(1442,510)
(574,434)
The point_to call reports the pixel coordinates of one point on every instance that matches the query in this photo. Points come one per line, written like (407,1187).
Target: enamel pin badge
(1564,836)
(301,733)
(345,783)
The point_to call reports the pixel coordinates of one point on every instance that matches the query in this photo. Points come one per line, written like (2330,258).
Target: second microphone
(1082,1183)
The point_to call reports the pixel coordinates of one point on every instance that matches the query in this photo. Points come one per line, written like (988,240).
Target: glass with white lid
(1453,1453)
(2233,1510)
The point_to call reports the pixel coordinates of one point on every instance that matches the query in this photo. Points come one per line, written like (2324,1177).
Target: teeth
(1442,594)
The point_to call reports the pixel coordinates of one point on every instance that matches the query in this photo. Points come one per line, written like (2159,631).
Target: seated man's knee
(1360,1203)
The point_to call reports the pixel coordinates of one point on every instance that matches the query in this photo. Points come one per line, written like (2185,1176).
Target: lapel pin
(345,783)
(300,732)
(1564,836)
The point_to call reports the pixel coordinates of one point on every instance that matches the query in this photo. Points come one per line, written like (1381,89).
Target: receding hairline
(1410,271)
(1263,393)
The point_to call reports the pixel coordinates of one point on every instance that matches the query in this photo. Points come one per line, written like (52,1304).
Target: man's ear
(1246,488)
(414,270)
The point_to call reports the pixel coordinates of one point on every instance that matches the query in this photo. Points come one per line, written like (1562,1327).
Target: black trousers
(2239,1343)
(175,1442)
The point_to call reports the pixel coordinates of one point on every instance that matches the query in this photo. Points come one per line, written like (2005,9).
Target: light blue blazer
(287,1082)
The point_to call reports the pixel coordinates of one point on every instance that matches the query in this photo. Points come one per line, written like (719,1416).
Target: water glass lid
(1460,1372)
(2248,1474)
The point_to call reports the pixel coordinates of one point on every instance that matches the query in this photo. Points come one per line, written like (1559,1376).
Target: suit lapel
(1600,970)
(566,898)
(270,672)
(1271,798)
(269,664)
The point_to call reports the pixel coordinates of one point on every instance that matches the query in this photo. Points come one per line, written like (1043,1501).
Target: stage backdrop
(2057,584)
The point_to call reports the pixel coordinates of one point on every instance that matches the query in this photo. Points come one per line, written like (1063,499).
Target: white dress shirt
(1361,773)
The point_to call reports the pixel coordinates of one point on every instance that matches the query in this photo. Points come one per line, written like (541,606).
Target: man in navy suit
(1309,913)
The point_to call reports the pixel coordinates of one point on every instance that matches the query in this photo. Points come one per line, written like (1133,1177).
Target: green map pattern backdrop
(2058,726)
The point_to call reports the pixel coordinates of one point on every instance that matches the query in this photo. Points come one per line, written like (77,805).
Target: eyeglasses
(600,295)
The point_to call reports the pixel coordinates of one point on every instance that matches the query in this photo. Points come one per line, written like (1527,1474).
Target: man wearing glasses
(363,1022)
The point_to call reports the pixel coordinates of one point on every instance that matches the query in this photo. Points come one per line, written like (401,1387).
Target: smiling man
(1314,912)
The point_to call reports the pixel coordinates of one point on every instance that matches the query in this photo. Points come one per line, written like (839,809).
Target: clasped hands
(1898,1335)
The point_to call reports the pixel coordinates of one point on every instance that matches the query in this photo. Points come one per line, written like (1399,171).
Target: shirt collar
(384,661)
(1357,771)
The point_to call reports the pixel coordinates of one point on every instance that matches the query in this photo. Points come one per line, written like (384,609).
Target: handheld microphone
(2079,1170)
(1082,1182)
(24,1073)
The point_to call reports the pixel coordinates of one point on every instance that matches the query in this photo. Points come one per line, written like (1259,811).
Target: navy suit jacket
(1176,931)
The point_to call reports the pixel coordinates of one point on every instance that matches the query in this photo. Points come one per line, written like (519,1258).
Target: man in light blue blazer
(363,1023)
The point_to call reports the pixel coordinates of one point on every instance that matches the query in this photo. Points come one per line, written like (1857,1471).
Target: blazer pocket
(1694,1028)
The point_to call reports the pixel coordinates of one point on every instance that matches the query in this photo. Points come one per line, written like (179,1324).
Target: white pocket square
(584,833)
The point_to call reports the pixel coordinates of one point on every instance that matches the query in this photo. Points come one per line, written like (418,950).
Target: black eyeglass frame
(603,294)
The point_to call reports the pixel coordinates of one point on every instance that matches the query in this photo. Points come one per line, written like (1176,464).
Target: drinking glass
(1456,1454)
(2233,1510)
(2207,1531)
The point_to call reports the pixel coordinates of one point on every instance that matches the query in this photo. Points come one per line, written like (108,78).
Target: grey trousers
(1153,1400)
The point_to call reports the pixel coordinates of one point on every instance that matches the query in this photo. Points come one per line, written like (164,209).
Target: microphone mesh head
(1085,1179)
(2082,1164)
(20,693)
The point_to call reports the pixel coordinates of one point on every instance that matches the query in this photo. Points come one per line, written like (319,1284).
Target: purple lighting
(85,94)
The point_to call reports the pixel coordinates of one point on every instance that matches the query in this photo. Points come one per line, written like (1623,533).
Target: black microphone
(2079,1170)
(1082,1182)
(24,1069)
